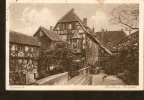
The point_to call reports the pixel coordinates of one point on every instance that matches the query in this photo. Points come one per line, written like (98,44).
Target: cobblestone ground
(109,80)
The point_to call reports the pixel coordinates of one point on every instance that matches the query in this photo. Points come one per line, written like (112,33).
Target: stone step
(87,80)
(74,80)
(80,80)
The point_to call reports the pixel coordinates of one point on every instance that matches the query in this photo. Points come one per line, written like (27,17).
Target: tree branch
(126,24)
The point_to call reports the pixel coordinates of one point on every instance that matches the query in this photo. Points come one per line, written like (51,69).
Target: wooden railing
(84,71)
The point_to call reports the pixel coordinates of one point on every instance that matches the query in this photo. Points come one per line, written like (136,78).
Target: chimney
(72,9)
(106,31)
(85,21)
(102,35)
(51,28)
(93,30)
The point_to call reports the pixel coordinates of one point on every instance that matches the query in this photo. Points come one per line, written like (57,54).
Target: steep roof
(71,16)
(16,37)
(110,38)
(51,34)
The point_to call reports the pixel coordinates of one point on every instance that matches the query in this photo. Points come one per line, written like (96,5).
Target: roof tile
(110,38)
(51,34)
(16,37)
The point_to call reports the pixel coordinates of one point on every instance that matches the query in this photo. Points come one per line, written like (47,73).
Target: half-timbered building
(76,32)
(47,39)
(23,58)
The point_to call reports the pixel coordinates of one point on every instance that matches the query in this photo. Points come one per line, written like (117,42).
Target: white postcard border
(93,88)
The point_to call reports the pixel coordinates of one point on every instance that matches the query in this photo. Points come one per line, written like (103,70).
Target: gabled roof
(71,16)
(110,38)
(16,37)
(51,34)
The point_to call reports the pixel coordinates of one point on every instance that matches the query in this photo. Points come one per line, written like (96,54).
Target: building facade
(23,58)
(76,32)
(47,39)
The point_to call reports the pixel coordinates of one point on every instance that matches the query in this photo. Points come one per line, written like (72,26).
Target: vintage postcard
(74,45)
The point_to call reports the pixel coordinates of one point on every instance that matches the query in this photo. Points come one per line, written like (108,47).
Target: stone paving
(109,80)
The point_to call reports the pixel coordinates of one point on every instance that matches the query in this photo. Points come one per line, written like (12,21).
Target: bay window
(76,45)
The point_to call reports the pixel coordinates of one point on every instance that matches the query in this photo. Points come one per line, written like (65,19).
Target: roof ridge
(18,37)
(78,18)
(20,33)
(45,32)
(49,35)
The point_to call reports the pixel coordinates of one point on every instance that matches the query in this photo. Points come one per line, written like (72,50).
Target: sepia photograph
(87,45)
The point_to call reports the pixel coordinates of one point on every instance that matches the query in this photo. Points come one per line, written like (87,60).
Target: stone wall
(91,52)
(58,79)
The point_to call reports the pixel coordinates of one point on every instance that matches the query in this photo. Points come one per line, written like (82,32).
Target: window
(32,49)
(16,47)
(76,44)
(13,47)
(20,47)
(69,26)
(64,26)
(58,27)
(79,44)
(26,48)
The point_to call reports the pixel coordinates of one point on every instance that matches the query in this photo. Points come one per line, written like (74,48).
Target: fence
(84,71)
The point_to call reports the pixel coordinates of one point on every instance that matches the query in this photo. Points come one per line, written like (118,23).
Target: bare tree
(126,15)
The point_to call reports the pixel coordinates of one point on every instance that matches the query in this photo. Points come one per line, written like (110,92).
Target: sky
(28,17)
